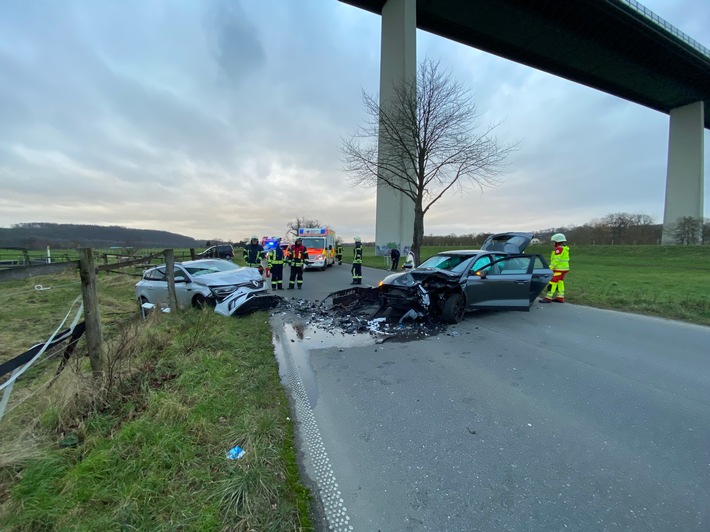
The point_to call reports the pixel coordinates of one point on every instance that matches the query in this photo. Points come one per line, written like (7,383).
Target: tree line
(613,229)
(39,235)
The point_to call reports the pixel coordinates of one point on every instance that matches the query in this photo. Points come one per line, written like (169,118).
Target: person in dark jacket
(297,260)
(394,255)
(275,260)
(254,253)
(356,269)
(339,253)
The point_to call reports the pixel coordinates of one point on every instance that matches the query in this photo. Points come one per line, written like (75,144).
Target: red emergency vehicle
(320,244)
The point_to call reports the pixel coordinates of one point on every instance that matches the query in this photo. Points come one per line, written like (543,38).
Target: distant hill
(39,235)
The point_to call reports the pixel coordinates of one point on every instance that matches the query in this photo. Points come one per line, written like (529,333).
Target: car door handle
(521,282)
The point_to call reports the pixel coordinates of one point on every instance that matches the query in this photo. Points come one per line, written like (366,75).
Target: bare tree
(434,143)
(687,230)
(294,225)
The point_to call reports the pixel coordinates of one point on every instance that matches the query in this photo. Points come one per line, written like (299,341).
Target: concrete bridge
(616,46)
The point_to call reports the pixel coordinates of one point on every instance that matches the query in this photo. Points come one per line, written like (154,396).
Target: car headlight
(223,291)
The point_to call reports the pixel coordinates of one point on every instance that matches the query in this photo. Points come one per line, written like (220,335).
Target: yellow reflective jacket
(559,260)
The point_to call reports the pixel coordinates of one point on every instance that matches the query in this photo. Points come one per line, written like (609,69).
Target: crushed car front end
(423,291)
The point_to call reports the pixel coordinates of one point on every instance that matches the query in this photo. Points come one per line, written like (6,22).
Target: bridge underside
(604,44)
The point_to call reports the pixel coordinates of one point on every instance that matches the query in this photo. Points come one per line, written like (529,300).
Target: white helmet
(558,237)
(357,239)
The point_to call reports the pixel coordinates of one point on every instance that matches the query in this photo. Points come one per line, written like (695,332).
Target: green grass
(153,457)
(667,281)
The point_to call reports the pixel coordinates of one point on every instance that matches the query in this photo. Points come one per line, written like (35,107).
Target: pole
(94,336)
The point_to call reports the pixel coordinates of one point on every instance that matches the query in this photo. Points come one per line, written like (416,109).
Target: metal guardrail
(643,10)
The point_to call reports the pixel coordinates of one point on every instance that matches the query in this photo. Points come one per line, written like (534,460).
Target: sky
(219,119)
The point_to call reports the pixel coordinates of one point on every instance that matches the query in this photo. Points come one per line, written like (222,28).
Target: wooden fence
(88,269)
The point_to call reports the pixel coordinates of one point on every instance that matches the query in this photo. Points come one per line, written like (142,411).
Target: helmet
(558,237)
(254,237)
(299,239)
(357,239)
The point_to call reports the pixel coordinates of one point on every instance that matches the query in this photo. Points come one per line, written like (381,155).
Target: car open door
(503,285)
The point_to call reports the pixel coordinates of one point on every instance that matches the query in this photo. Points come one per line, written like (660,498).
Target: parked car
(445,286)
(221,251)
(221,284)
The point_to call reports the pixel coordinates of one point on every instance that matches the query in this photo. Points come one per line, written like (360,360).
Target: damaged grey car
(445,286)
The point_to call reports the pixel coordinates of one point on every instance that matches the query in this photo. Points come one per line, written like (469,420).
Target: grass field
(148,453)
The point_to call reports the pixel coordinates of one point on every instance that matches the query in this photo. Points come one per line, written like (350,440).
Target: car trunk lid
(507,242)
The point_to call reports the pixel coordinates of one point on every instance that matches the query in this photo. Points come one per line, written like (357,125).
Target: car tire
(199,302)
(454,309)
(228,256)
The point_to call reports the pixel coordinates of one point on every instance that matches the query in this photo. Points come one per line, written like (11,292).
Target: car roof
(461,252)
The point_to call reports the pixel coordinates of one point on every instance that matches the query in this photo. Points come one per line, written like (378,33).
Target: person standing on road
(559,264)
(339,252)
(275,260)
(394,255)
(409,261)
(254,253)
(297,260)
(356,269)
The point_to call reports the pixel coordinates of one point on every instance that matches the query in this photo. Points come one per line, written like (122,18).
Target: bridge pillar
(684,176)
(398,61)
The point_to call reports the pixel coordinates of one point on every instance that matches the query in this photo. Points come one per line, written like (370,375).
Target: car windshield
(209,266)
(452,263)
(314,242)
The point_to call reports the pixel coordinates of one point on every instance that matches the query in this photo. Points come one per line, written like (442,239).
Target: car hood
(241,276)
(420,275)
(507,242)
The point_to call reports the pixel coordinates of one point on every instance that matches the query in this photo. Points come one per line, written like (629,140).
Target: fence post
(192,253)
(94,336)
(170,273)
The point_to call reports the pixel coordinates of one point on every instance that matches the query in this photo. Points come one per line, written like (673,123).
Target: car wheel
(454,309)
(228,256)
(199,301)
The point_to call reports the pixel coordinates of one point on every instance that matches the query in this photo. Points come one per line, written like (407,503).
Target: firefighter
(339,253)
(559,264)
(254,253)
(357,262)
(297,260)
(275,261)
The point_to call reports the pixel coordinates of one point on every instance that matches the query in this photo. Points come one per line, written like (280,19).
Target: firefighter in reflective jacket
(254,253)
(357,262)
(559,264)
(275,261)
(297,259)
(339,253)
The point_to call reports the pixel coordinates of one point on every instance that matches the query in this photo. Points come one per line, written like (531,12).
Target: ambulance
(320,244)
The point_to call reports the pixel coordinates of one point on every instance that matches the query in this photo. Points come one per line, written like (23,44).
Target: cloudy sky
(221,118)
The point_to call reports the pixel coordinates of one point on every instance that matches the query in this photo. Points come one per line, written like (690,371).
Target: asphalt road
(563,418)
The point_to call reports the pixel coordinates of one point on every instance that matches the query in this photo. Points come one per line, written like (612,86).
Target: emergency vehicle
(320,244)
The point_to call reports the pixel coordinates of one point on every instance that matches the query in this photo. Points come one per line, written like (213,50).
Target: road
(565,417)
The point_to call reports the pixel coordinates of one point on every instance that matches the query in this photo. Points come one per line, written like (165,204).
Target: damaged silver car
(220,284)
(447,285)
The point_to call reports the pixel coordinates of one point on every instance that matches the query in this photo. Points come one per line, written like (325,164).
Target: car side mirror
(180,279)
(482,273)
